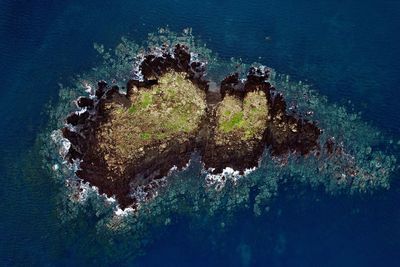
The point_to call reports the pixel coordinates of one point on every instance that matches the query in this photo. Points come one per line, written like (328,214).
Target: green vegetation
(145,136)
(245,119)
(236,121)
(171,109)
(145,100)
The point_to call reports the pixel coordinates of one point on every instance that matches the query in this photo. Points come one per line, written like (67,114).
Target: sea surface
(348,50)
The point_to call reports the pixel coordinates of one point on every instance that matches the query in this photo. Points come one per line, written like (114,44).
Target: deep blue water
(349,50)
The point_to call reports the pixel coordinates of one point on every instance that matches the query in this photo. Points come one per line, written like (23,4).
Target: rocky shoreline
(222,141)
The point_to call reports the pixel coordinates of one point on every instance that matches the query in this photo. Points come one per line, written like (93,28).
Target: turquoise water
(347,50)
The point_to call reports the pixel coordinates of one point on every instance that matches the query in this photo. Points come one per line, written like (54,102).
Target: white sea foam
(88,88)
(219,180)
(248,171)
(123,212)
(136,72)
(80,190)
(110,199)
(174,168)
(63,143)
(82,110)
(55,167)
(194,57)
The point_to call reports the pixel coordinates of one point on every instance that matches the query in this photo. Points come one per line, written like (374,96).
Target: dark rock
(72,155)
(257,75)
(182,56)
(155,65)
(77,141)
(278,105)
(112,91)
(75,118)
(257,80)
(330,145)
(307,137)
(229,85)
(101,87)
(85,102)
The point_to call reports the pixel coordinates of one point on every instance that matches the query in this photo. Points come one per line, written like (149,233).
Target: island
(125,141)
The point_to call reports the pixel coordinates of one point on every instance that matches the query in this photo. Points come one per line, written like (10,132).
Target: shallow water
(348,50)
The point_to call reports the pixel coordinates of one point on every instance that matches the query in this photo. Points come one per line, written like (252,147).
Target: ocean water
(348,51)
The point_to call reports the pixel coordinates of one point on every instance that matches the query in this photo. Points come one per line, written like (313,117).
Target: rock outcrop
(127,143)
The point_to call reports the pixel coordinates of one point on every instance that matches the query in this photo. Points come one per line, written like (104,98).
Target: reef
(126,140)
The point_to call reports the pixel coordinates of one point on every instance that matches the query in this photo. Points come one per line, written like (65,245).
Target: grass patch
(180,124)
(132,109)
(235,121)
(145,136)
(245,119)
(145,100)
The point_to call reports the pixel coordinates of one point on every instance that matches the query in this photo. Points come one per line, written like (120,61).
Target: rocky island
(126,140)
